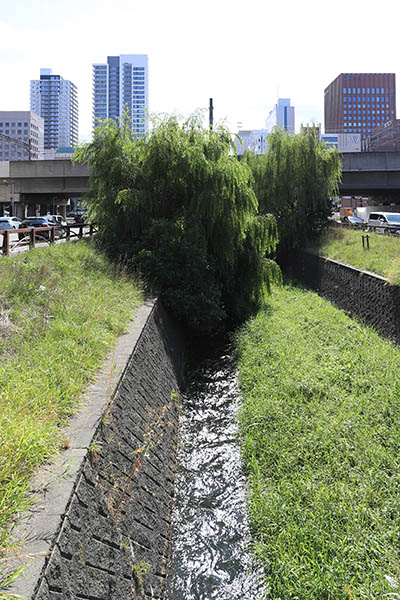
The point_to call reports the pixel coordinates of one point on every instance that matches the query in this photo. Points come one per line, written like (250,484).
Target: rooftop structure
(384,139)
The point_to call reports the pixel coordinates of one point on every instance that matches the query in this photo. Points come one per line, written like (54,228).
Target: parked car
(355,222)
(5,224)
(384,222)
(45,221)
(12,222)
(36,222)
(59,219)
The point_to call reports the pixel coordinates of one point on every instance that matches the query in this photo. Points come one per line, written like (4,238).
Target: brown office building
(360,102)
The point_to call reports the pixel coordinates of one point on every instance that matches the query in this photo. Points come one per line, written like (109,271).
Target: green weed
(61,309)
(320,427)
(345,245)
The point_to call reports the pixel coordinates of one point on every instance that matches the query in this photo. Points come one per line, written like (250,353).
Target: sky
(244,54)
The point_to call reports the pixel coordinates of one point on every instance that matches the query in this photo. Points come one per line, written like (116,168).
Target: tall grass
(61,309)
(321,443)
(345,245)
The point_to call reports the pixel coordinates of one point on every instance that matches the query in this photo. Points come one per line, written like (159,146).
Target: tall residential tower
(360,102)
(121,86)
(56,101)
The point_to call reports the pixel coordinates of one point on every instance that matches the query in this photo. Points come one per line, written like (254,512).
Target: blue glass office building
(121,85)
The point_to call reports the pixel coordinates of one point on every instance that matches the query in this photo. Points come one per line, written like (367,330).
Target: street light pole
(13,199)
(12,195)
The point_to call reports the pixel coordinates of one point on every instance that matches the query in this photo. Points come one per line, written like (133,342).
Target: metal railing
(29,237)
(382,229)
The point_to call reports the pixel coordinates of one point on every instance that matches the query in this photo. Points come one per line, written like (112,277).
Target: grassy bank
(321,443)
(345,245)
(61,309)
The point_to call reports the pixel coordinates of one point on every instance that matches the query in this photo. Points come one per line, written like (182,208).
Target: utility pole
(211,114)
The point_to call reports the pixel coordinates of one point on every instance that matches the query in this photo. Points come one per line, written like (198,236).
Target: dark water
(211,558)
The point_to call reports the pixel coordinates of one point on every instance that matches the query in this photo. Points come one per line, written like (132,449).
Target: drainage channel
(211,556)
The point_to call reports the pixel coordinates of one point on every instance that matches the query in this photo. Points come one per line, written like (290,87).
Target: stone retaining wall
(112,537)
(363,295)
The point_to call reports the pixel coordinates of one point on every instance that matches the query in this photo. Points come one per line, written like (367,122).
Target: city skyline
(244,58)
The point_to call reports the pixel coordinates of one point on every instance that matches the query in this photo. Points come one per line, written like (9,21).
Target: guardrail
(381,229)
(30,236)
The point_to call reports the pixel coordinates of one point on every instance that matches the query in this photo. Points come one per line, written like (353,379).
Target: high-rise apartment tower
(121,86)
(56,101)
(360,102)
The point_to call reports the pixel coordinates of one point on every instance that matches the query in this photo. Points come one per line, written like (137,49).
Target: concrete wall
(112,533)
(47,168)
(371,161)
(363,295)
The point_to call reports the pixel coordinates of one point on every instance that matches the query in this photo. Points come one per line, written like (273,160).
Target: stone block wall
(363,295)
(113,538)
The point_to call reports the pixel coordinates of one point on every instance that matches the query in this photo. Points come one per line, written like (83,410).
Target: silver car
(385,222)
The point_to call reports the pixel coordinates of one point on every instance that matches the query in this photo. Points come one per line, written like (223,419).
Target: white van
(384,222)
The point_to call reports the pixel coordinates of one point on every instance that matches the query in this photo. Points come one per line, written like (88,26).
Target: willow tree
(181,206)
(296,181)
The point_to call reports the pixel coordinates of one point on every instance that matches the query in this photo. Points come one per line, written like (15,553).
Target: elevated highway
(42,182)
(371,173)
(53,182)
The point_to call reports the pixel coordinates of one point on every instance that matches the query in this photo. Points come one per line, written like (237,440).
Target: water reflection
(210,558)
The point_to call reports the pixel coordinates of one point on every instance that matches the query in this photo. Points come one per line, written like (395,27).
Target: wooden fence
(31,236)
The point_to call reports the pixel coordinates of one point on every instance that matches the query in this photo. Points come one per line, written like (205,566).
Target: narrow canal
(211,557)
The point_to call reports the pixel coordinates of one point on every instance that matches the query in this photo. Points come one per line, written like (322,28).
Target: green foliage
(183,208)
(320,427)
(295,181)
